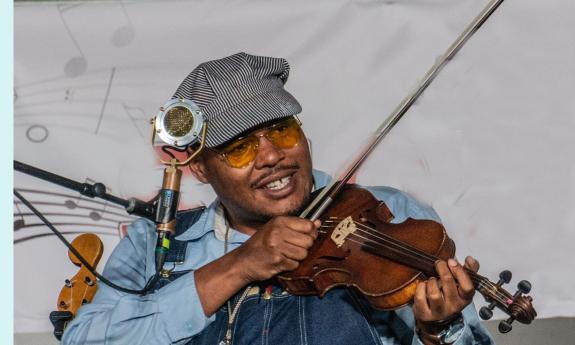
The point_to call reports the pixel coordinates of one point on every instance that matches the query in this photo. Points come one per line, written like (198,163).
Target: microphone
(180,124)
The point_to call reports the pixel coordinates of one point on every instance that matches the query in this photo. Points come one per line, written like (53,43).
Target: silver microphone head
(179,123)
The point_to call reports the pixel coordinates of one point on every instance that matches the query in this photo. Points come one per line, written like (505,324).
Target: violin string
(403,246)
(422,255)
(480,281)
(415,254)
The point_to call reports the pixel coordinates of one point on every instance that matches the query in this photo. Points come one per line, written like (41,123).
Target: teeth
(278,184)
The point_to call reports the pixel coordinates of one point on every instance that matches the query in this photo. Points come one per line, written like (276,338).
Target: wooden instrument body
(385,281)
(81,288)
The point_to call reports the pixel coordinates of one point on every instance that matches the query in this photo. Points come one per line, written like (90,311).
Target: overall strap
(184,219)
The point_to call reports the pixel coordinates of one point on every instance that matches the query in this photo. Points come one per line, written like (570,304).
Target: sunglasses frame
(266,129)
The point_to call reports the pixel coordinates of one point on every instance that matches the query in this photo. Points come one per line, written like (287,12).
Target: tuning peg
(485,313)
(524,287)
(505,325)
(88,281)
(504,277)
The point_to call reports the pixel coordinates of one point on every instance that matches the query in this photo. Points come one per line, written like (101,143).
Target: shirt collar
(221,224)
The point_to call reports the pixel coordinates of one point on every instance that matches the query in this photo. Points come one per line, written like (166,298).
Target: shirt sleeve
(171,314)
(399,326)
(402,325)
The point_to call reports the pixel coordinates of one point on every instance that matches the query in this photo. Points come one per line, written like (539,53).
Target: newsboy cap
(239,92)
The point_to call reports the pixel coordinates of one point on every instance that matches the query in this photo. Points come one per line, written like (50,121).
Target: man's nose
(268,154)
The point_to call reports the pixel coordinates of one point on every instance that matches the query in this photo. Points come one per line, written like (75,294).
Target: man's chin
(291,209)
(282,209)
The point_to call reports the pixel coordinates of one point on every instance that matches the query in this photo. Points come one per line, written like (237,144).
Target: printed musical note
(98,215)
(71,204)
(95,215)
(105,100)
(140,120)
(37,133)
(124,35)
(78,64)
(68,95)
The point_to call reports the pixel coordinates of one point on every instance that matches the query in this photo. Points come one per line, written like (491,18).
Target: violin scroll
(519,307)
(81,288)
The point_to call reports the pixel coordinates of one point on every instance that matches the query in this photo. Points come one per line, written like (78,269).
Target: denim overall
(277,317)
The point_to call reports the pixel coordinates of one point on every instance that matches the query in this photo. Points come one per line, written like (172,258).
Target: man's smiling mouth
(278,184)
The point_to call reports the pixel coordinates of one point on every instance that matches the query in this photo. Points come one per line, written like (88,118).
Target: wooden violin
(358,247)
(82,287)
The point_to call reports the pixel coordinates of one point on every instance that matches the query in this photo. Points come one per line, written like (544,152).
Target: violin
(82,287)
(358,246)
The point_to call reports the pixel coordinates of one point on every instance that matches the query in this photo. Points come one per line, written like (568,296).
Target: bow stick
(324,199)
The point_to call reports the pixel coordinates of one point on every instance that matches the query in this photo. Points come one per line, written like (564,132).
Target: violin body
(385,282)
(358,246)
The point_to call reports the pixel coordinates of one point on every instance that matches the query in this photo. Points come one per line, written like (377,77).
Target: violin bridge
(342,230)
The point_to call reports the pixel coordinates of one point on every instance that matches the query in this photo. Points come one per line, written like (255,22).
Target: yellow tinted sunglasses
(240,152)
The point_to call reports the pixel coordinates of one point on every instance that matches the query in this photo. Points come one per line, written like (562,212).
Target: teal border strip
(6,170)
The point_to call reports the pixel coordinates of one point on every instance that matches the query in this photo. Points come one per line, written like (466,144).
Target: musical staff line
(56,214)
(46,203)
(32,237)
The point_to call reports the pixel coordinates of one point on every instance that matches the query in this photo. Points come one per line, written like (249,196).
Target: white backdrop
(489,144)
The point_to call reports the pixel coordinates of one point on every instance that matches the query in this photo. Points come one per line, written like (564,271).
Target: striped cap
(239,92)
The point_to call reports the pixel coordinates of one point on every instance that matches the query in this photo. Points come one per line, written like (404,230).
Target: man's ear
(198,169)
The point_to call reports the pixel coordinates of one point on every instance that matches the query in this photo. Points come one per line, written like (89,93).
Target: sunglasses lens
(286,134)
(240,153)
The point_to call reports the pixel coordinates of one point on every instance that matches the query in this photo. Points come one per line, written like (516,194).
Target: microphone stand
(132,205)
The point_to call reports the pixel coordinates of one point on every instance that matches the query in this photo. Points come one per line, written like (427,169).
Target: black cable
(166,149)
(149,285)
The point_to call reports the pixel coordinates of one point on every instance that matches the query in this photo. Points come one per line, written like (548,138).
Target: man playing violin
(219,285)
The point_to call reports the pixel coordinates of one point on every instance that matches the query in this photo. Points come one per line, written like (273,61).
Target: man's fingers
(472,264)
(288,265)
(294,252)
(466,288)
(420,305)
(448,283)
(303,226)
(317,223)
(434,296)
(298,239)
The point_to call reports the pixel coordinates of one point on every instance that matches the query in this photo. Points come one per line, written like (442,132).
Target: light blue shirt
(173,314)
